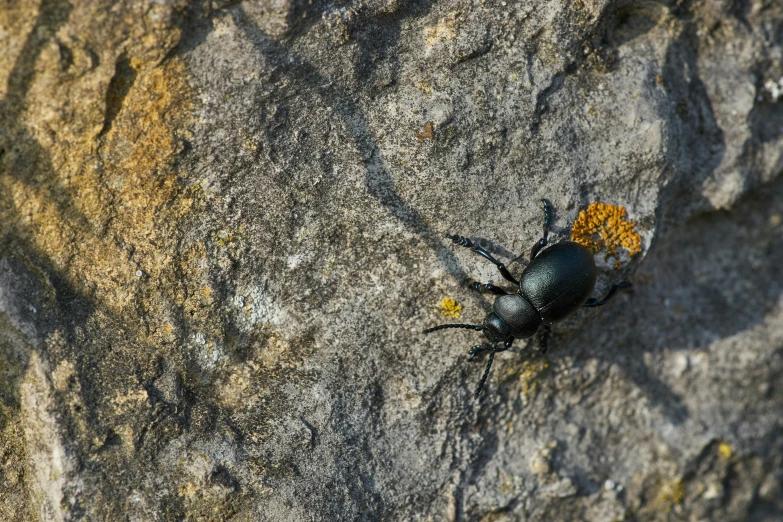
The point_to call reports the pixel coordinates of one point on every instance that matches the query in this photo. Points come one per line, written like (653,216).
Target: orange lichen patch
(142,140)
(604,226)
(450,308)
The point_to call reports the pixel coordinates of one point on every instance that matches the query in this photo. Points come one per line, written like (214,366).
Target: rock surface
(221,234)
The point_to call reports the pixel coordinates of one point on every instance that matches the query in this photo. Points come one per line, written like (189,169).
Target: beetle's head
(495,329)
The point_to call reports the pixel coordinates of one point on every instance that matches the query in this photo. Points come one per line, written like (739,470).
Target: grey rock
(222,232)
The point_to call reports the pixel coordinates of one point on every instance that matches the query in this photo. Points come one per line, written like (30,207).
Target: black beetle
(553,286)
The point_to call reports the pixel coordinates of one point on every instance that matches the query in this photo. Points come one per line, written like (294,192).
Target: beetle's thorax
(512,315)
(517,314)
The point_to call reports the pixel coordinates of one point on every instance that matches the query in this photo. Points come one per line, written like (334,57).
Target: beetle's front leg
(475,350)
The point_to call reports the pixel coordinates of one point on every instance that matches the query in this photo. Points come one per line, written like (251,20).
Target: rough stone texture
(221,233)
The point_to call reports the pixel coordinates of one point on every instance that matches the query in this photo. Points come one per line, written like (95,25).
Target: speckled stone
(222,232)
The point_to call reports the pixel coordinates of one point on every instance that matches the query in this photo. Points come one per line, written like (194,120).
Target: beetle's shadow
(499,250)
(694,288)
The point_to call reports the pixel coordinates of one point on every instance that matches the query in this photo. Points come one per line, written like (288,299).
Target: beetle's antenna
(486,372)
(476,327)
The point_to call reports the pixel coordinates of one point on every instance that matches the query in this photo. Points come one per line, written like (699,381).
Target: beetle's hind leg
(547,206)
(488,287)
(544,333)
(593,302)
(467,243)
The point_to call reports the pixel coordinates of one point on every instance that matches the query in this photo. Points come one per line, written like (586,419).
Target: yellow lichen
(671,494)
(445,29)
(424,87)
(450,308)
(224,238)
(724,451)
(528,372)
(506,483)
(603,225)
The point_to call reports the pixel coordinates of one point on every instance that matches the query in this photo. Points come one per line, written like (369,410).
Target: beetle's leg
(592,302)
(488,287)
(467,243)
(543,338)
(547,221)
(506,346)
(475,350)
